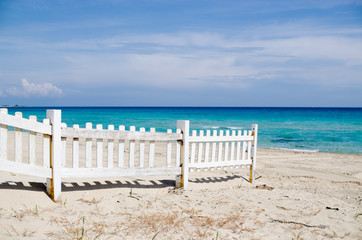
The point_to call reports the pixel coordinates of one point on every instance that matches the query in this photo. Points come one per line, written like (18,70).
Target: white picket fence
(54,151)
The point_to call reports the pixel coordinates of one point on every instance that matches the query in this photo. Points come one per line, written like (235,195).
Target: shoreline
(307,151)
(296,193)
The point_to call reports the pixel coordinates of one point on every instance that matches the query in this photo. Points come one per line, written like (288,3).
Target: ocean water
(337,130)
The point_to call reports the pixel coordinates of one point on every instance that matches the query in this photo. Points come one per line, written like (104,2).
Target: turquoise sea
(337,130)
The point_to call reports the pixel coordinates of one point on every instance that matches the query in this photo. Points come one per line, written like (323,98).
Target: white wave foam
(298,150)
(221,127)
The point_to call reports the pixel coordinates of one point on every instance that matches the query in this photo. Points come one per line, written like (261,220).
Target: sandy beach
(297,195)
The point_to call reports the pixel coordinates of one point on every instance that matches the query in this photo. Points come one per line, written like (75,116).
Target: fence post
(184,125)
(254,128)
(54,185)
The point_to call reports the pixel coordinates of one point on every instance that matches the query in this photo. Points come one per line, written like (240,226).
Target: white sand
(218,204)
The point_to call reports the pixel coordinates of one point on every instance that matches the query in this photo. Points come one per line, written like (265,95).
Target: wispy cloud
(29,89)
(189,60)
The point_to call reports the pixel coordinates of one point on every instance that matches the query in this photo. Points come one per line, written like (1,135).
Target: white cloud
(193,60)
(28,89)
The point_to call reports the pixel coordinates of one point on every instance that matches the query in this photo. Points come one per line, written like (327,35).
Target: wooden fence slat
(31,143)
(254,128)
(243,155)
(249,146)
(220,139)
(88,148)
(142,150)
(151,153)
(18,141)
(168,151)
(201,145)
(54,184)
(207,147)
(64,150)
(219,164)
(76,149)
(232,148)
(185,129)
(116,172)
(46,146)
(119,135)
(64,146)
(3,137)
(193,148)
(178,150)
(99,148)
(23,168)
(226,153)
(219,153)
(121,148)
(110,146)
(238,147)
(23,123)
(131,148)
(213,149)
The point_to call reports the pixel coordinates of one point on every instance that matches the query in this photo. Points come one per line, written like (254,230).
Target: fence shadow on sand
(96,185)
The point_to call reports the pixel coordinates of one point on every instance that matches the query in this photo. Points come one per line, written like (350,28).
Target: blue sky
(181,53)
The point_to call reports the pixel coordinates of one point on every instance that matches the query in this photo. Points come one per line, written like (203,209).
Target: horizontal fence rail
(52,150)
(25,149)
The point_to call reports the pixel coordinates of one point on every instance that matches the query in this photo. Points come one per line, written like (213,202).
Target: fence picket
(254,147)
(193,148)
(243,155)
(110,146)
(88,148)
(131,148)
(151,153)
(178,150)
(18,141)
(249,146)
(75,149)
(207,147)
(121,148)
(201,144)
(238,146)
(31,142)
(46,146)
(232,148)
(213,149)
(226,153)
(219,153)
(168,151)
(142,150)
(99,148)
(64,146)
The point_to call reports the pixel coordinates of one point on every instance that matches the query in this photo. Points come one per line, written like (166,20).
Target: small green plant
(36,210)
(65,201)
(75,233)
(82,228)
(155,235)
(130,193)
(217,235)
(357,215)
